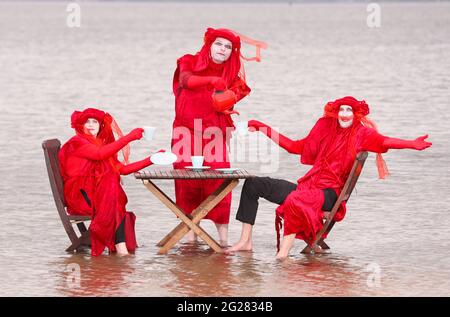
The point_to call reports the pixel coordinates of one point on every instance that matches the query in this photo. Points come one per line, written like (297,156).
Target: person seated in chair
(331,148)
(91,174)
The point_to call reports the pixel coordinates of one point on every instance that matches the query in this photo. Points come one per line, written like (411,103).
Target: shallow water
(395,238)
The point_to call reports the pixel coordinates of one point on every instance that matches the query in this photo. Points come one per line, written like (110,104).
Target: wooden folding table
(190,222)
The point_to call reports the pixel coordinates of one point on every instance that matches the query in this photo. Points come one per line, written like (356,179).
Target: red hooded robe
(191,104)
(331,150)
(99,179)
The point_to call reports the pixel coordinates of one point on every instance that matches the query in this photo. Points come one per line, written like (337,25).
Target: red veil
(233,67)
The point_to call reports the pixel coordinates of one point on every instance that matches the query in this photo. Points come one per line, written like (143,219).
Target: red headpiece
(108,128)
(360,112)
(360,108)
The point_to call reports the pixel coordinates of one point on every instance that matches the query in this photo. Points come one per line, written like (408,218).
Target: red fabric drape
(100,182)
(91,175)
(331,150)
(192,104)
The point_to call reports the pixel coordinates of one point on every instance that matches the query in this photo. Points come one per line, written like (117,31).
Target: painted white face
(345,116)
(221,50)
(92,126)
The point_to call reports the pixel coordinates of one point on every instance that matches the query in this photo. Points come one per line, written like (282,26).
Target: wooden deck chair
(344,196)
(51,149)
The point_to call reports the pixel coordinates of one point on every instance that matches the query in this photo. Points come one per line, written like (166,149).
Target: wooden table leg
(175,235)
(202,210)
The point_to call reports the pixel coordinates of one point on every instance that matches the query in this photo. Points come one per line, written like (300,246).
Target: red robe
(191,104)
(331,150)
(100,180)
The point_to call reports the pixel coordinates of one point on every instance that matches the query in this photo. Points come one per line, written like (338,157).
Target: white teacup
(197,161)
(148,133)
(242,127)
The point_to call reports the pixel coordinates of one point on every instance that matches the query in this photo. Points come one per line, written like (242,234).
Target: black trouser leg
(330,198)
(120,233)
(274,190)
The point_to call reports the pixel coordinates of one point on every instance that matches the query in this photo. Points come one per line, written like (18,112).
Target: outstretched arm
(136,166)
(417,144)
(97,153)
(294,147)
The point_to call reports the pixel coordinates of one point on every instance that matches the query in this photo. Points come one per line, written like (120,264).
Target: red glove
(190,81)
(294,147)
(417,144)
(135,134)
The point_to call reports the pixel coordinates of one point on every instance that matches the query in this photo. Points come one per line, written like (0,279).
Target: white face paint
(221,50)
(92,126)
(345,116)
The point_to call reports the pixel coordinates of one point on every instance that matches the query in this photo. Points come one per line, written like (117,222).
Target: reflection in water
(83,275)
(195,270)
(315,275)
(198,271)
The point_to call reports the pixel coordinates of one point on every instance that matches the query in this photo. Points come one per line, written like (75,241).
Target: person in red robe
(331,148)
(206,86)
(91,174)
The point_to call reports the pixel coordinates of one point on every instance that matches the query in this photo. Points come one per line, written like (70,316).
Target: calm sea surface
(395,239)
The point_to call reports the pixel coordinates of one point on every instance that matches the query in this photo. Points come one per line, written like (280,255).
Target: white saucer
(227,170)
(197,169)
(163,158)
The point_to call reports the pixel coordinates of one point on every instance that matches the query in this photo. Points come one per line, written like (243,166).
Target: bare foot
(306,250)
(281,257)
(191,237)
(240,246)
(318,250)
(121,249)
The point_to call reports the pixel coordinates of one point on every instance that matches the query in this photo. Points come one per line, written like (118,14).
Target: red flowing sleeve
(370,140)
(297,146)
(98,153)
(182,72)
(185,69)
(66,152)
(311,144)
